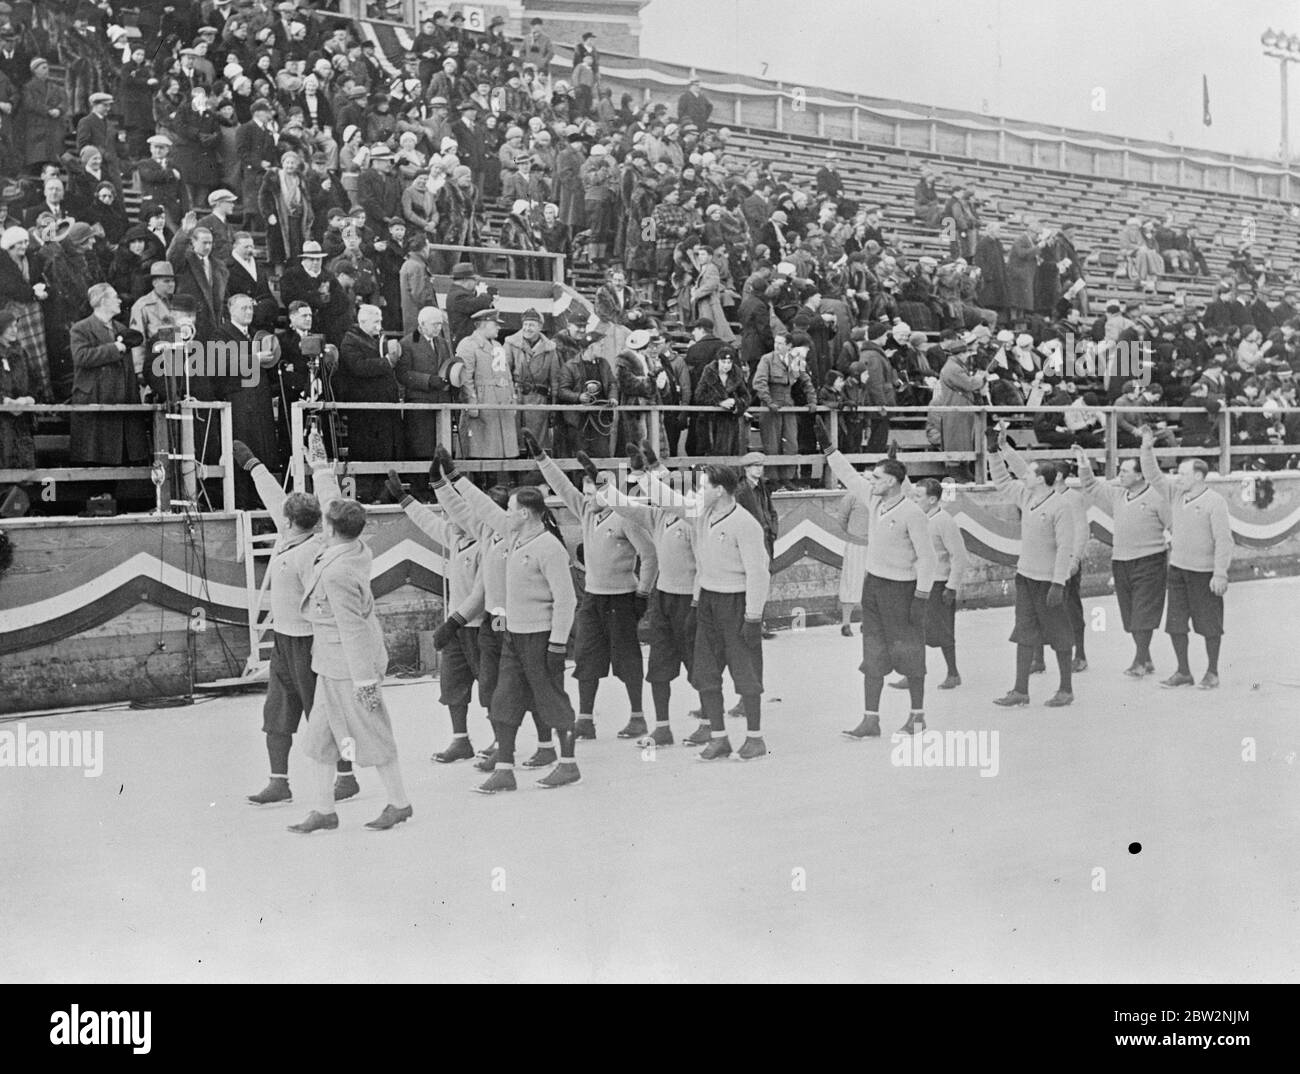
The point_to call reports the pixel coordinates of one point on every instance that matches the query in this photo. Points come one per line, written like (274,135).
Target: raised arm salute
(617,592)
(896,588)
(1199,557)
(1139,517)
(1047,555)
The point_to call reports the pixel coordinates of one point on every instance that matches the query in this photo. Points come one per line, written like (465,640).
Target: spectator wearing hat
(379,191)
(959,385)
(46,116)
(1021,270)
(467,296)
(70,269)
(517,234)
(355,272)
(926,206)
(584,85)
(150,314)
(22,292)
(252,413)
(772,234)
(706,291)
(221,204)
(778,374)
(198,133)
(535,367)
(457,223)
(586,379)
(991,260)
(256,149)
(136,86)
(721,383)
(98,130)
(637,383)
(569,193)
(586,47)
(470,145)
(309,281)
(693,106)
(487,434)
(103,373)
(128,271)
(538,50)
(284,204)
(15,60)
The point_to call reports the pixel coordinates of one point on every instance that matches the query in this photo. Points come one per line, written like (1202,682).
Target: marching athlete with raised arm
(896,589)
(292,683)
(1199,557)
(1139,517)
(1048,540)
(672,617)
(616,596)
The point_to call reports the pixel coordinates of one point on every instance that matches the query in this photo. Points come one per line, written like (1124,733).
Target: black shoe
(459,750)
(753,749)
(768,635)
(1080,664)
(1060,699)
(1210,682)
(737,711)
(490,751)
(1178,678)
(543,758)
(564,774)
(635,728)
(718,749)
(1138,670)
(701,736)
(846,630)
(1037,668)
(915,724)
(950,683)
(504,780)
(488,763)
(868,728)
(662,735)
(316,822)
(1012,699)
(899,684)
(584,729)
(275,791)
(345,787)
(390,817)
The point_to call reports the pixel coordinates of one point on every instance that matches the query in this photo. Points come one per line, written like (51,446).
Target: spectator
(468,297)
(959,385)
(535,369)
(722,384)
(17,385)
(424,369)
(46,115)
(778,375)
(103,373)
(693,106)
(366,375)
(487,434)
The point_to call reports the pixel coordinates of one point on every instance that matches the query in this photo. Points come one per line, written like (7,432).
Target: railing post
(827,478)
(1112,444)
(444,429)
(557,269)
(297,437)
(227,458)
(190,463)
(981,447)
(161,438)
(1225,441)
(654,431)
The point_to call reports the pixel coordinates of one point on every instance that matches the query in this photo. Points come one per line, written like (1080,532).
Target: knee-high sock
(322,787)
(872,687)
(1038,654)
(505,743)
(1142,639)
(543,733)
(661,692)
(277,750)
(567,740)
(753,712)
(635,692)
(950,657)
(916,688)
(459,719)
(1063,658)
(587,697)
(1180,651)
(1024,658)
(390,775)
(1212,652)
(711,706)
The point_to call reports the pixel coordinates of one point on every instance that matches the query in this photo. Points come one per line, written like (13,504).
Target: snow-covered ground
(828,860)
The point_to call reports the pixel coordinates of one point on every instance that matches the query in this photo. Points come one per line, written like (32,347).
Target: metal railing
(1218,456)
(191,472)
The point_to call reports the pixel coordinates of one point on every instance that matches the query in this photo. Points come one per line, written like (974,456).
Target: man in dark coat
(755,323)
(467,296)
(293,377)
(251,412)
(257,151)
(991,259)
(200,276)
(379,191)
(98,130)
(103,372)
(308,281)
(693,106)
(365,375)
(160,180)
(424,371)
(247,277)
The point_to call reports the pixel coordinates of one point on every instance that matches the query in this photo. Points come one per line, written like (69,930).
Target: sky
(1038,60)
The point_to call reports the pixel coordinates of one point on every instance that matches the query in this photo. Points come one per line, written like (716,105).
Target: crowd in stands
(293,180)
